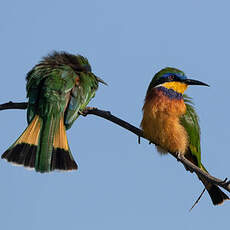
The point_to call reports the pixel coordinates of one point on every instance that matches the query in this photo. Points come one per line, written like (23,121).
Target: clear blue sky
(119,184)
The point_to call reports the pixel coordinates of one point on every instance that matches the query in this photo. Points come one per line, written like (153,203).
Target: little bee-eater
(58,88)
(170,121)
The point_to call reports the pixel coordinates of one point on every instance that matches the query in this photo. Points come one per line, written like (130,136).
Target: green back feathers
(61,70)
(57,82)
(190,121)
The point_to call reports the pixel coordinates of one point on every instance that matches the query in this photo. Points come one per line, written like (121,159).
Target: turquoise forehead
(175,74)
(166,72)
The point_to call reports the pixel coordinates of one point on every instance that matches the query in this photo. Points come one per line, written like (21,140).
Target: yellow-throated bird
(170,121)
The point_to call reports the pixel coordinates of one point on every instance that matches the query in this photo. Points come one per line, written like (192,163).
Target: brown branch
(12,105)
(225,184)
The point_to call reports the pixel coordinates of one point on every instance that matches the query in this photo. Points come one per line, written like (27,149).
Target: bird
(58,88)
(171,122)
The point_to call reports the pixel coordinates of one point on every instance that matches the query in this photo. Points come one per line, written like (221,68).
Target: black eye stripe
(169,77)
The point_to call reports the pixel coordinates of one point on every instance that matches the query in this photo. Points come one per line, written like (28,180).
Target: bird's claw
(82,113)
(85,111)
(178,156)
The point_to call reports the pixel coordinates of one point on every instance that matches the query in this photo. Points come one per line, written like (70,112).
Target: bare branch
(225,184)
(12,105)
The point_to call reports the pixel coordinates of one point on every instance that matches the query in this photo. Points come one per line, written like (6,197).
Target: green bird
(58,88)
(170,121)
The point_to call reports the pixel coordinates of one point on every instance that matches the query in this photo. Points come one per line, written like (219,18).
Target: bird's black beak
(194,82)
(100,80)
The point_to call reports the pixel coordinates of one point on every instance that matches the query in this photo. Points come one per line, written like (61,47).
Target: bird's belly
(163,128)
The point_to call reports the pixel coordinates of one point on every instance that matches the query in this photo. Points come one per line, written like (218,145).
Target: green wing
(60,80)
(80,96)
(190,121)
(64,76)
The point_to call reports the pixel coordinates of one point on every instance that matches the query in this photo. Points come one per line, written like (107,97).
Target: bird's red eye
(171,77)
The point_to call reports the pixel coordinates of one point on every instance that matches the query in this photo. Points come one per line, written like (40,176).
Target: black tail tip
(62,160)
(21,154)
(25,155)
(217,195)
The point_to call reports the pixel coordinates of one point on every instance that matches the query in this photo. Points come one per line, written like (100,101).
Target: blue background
(119,184)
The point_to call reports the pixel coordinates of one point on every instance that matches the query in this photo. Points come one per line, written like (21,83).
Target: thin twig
(197,200)
(225,184)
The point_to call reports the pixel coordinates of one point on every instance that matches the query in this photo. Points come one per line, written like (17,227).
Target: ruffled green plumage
(58,88)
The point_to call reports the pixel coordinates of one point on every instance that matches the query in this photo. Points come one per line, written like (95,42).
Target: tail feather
(23,151)
(44,152)
(30,156)
(27,149)
(62,160)
(21,154)
(216,194)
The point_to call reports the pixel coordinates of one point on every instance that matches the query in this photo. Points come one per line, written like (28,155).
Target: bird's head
(81,64)
(78,63)
(172,78)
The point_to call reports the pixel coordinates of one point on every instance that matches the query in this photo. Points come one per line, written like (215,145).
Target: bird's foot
(82,113)
(178,156)
(85,111)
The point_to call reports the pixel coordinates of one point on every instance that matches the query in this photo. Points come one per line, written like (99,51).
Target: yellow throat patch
(179,87)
